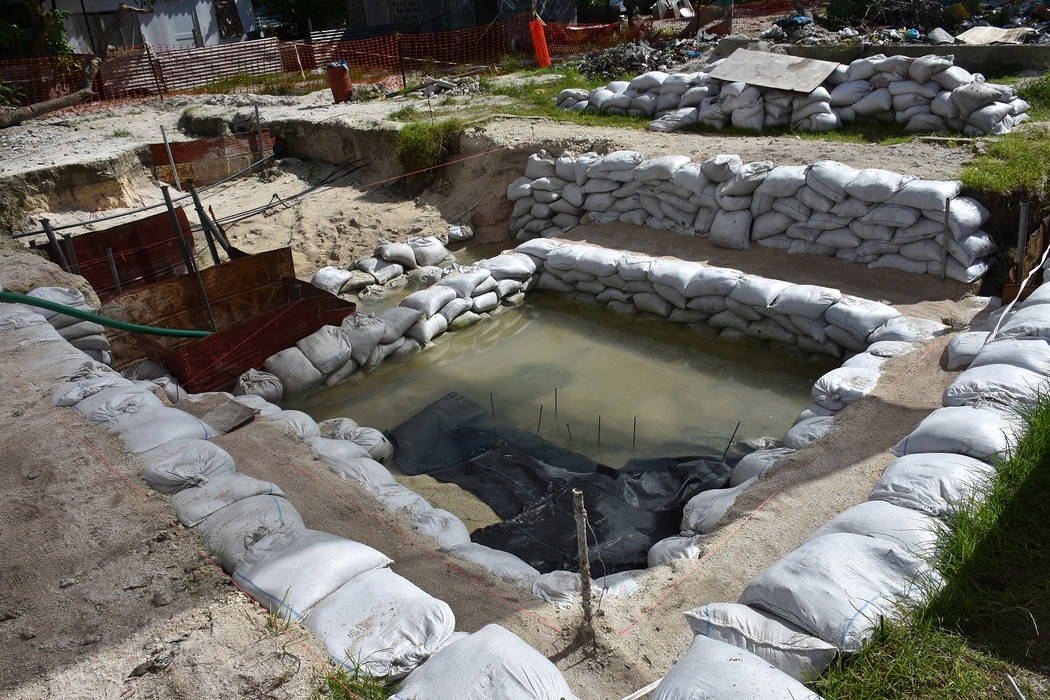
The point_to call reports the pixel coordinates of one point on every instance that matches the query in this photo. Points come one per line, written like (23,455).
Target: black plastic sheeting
(529,482)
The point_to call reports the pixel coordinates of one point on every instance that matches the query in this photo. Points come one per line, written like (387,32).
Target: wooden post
(580,513)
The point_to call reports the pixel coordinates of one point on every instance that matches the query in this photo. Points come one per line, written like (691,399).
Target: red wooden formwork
(144,251)
(259,308)
(206,161)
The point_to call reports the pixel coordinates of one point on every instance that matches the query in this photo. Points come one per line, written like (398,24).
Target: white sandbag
(502,565)
(874,185)
(429,301)
(397,497)
(327,348)
(116,401)
(963,348)
(425,331)
(260,404)
(907,328)
(373,441)
(73,392)
(859,316)
(382,623)
(154,427)
(337,428)
(771,223)
(446,529)
(848,93)
(937,484)
(350,461)
(509,266)
(296,372)
(731,229)
(830,178)
(783,181)
(180,464)
(258,383)
(674,547)
(865,360)
(561,588)
(844,385)
(703,511)
(400,253)
(977,432)
(1027,322)
(808,431)
(804,300)
(967,215)
(1005,384)
(876,102)
(466,283)
(661,168)
(286,577)
(291,422)
(780,643)
(971,248)
(1028,353)
(231,532)
(839,586)
(714,669)
(915,531)
(396,321)
(758,292)
(721,167)
(363,332)
(491,663)
(756,464)
(673,273)
(195,503)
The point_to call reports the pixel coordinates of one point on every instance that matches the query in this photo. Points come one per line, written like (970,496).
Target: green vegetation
(1017,163)
(266,84)
(983,624)
(121,132)
(422,145)
(355,684)
(408,113)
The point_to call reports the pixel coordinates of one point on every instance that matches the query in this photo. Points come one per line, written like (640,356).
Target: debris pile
(448,87)
(635,57)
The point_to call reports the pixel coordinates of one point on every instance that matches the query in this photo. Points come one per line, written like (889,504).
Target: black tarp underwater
(528,482)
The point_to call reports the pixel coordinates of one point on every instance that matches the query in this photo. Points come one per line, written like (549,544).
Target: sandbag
(963,348)
(195,503)
(363,332)
(839,586)
(397,321)
(938,484)
(874,185)
(425,331)
(703,511)
(731,229)
(491,663)
(917,532)
(804,300)
(509,266)
(291,422)
(258,383)
(374,441)
(296,372)
(714,669)
(287,579)
(756,464)
(400,253)
(428,250)
(381,623)
(179,464)
(859,316)
(260,404)
(350,461)
(671,548)
(844,385)
(1028,353)
(502,565)
(154,427)
(1027,322)
(231,532)
(808,430)
(327,348)
(429,301)
(73,392)
(977,432)
(1004,384)
(336,428)
(116,401)
(778,642)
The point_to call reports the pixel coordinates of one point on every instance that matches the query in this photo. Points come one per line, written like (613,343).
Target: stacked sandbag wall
(922,94)
(368,617)
(83,335)
(874,217)
(871,562)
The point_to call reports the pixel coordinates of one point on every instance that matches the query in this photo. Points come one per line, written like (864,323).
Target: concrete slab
(772,70)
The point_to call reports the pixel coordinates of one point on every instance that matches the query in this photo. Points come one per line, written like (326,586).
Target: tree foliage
(32,30)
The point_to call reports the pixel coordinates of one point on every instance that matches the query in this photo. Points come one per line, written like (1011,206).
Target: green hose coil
(13,298)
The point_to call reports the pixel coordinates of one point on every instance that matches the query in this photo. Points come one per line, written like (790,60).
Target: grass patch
(1037,93)
(121,132)
(266,84)
(354,684)
(983,624)
(408,113)
(1017,163)
(423,145)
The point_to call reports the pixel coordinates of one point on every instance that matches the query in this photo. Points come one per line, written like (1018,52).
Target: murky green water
(686,391)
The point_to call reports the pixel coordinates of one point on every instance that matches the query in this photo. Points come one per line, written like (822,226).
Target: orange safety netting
(276,67)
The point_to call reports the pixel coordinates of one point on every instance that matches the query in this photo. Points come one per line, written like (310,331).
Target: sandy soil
(74,519)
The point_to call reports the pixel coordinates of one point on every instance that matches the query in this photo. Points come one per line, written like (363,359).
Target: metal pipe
(205,223)
(113,269)
(11,297)
(55,247)
(71,252)
(634,433)
(598,443)
(1022,239)
(539,420)
(171,160)
(258,132)
(191,261)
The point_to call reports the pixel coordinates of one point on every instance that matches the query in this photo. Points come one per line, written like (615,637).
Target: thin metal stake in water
(731,438)
(598,443)
(556,409)
(539,421)
(634,433)
(113,270)
(492,404)
(171,160)
(568,429)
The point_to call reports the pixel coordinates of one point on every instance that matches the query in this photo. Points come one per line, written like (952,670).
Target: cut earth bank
(840,474)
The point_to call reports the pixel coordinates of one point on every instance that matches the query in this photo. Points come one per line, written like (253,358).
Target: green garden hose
(13,298)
